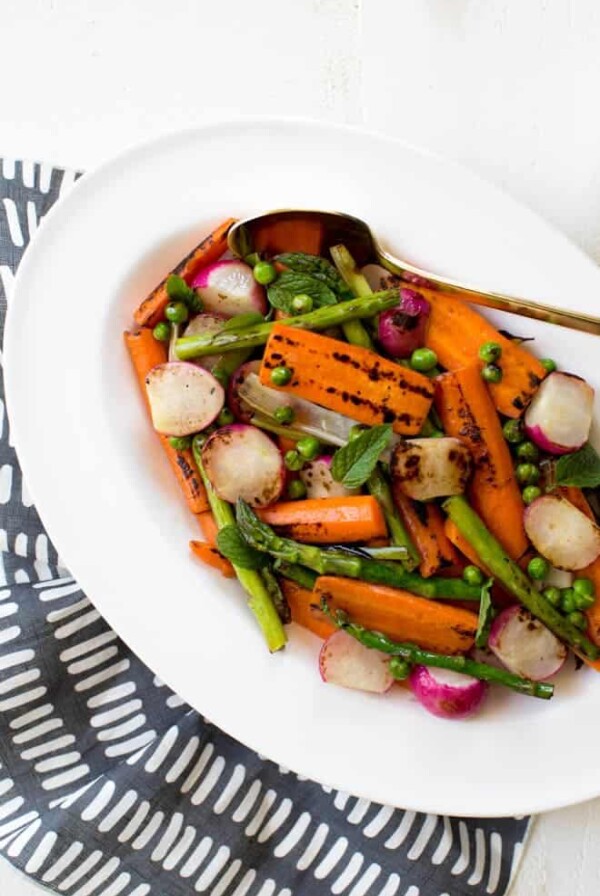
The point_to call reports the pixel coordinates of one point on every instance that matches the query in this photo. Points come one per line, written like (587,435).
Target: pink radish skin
(559,417)
(207,325)
(241,461)
(316,476)
(525,646)
(447,694)
(561,533)
(236,403)
(402,329)
(229,288)
(183,398)
(345,662)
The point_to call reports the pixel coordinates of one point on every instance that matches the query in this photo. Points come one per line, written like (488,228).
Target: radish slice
(229,288)
(525,646)
(207,325)
(562,533)
(238,406)
(319,482)
(447,694)
(401,330)
(559,417)
(344,661)
(431,468)
(183,398)
(242,462)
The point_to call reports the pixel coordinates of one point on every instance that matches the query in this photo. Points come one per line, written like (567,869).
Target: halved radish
(183,398)
(241,461)
(431,468)
(344,661)
(562,533)
(559,417)
(316,476)
(524,644)
(235,401)
(447,694)
(207,325)
(228,287)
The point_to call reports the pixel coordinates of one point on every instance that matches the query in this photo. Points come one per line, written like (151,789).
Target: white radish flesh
(183,398)
(206,325)
(238,406)
(559,417)
(559,578)
(525,646)
(316,476)
(431,468)
(561,533)
(345,662)
(242,462)
(445,693)
(228,287)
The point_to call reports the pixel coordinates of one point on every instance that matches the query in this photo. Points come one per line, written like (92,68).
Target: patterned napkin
(110,784)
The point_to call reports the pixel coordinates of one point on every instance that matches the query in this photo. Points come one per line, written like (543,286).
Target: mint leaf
(317,267)
(486,615)
(239,321)
(580,469)
(353,464)
(178,291)
(235,548)
(291,283)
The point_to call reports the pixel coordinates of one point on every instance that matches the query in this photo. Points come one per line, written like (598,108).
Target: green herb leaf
(353,464)
(235,548)
(580,469)
(292,283)
(178,291)
(317,267)
(486,615)
(239,321)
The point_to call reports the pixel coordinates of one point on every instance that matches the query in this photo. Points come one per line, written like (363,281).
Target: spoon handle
(575,320)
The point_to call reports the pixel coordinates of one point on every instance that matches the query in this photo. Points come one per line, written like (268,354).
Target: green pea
(585,596)
(296,490)
(423,359)
(528,451)
(513,431)
(199,440)
(567,600)
(577,618)
(280,376)
(538,568)
(491,373)
(264,272)
(225,417)
(284,414)
(552,595)
(527,474)
(293,461)
(308,448)
(162,331)
(490,352)
(399,668)
(176,312)
(530,493)
(302,304)
(548,364)
(180,443)
(473,575)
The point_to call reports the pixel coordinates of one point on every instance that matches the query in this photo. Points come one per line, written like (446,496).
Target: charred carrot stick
(304,607)
(209,527)
(349,379)
(211,557)
(425,524)
(327,520)
(209,250)
(456,332)
(399,615)
(467,412)
(145,353)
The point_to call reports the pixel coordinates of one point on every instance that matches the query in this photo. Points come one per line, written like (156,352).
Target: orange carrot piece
(433,625)
(349,379)
(455,333)
(211,557)
(146,352)
(576,497)
(327,520)
(209,527)
(304,608)
(467,413)
(209,250)
(425,524)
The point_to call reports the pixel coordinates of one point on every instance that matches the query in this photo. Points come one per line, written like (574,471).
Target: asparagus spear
(414,655)
(353,566)
(299,574)
(500,565)
(320,319)
(379,488)
(354,331)
(260,601)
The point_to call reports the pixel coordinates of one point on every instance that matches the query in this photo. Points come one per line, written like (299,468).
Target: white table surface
(505,86)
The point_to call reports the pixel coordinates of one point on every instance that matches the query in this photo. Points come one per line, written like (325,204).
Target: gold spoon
(315,232)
